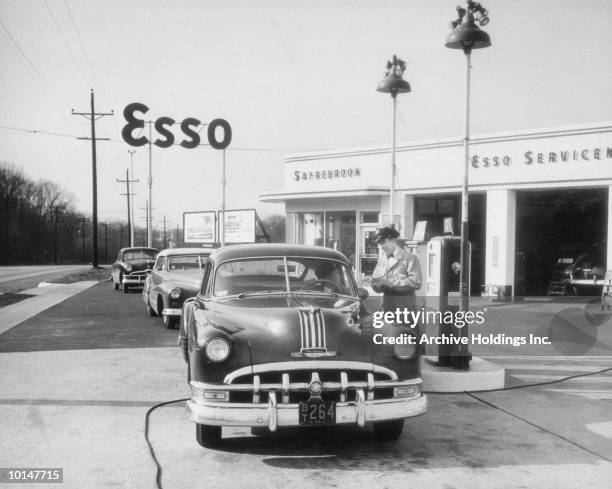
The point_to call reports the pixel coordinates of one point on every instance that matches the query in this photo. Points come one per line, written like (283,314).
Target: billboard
(200,227)
(239,226)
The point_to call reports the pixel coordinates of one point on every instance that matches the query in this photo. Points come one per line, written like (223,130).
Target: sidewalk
(45,295)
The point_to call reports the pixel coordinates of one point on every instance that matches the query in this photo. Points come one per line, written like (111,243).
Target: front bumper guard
(273,414)
(172,312)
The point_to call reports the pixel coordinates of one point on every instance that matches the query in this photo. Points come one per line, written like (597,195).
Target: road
(15,278)
(79,378)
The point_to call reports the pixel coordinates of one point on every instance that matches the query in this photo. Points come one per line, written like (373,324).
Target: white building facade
(535,196)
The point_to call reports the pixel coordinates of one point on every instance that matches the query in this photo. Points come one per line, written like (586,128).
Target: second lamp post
(393,83)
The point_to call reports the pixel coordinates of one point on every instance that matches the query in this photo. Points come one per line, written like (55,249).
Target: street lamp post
(393,83)
(466,35)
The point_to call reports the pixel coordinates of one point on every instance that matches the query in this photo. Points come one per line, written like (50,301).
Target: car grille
(138,273)
(291,385)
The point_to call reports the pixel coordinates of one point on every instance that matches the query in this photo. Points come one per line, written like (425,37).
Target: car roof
(275,249)
(138,248)
(185,251)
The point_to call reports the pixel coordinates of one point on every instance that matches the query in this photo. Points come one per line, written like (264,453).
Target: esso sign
(166,137)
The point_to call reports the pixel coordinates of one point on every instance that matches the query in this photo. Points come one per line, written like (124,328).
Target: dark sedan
(279,336)
(132,266)
(176,276)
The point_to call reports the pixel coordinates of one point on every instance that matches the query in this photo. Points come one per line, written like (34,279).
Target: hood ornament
(312,334)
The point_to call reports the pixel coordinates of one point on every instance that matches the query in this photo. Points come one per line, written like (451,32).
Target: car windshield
(139,255)
(291,274)
(186,262)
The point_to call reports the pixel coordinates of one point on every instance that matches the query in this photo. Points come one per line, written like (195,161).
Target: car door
(156,279)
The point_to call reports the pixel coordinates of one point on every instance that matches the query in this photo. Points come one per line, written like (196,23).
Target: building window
(369,218)
(310,228)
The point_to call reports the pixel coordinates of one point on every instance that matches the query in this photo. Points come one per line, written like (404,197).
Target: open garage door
(554,225)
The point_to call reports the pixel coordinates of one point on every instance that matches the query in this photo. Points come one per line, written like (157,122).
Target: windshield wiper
(261,292)
(314,292)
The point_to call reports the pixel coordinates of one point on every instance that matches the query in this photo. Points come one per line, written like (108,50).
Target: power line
(15,45)
(66,43)
(48,133)
(36,131)
(93,73)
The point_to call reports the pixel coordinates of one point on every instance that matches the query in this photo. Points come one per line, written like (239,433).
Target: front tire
(389,430)
(208,436)
(126,288)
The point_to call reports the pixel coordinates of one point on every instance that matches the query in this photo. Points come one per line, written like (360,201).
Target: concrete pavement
(79,378)
(45,296)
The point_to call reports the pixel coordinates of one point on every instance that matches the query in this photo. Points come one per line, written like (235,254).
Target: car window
(161,262)
(139,255)
(185,262)
(272,275)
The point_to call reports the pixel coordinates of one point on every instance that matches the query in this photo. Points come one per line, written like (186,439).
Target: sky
(287,76)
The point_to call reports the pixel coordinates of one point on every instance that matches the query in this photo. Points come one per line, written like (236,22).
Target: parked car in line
(583,275)
(176,276)
(279,336)
(131,267)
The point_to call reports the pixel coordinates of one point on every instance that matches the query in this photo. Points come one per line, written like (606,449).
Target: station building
(535,197)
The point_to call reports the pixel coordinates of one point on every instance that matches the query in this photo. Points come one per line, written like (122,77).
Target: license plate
(317,412)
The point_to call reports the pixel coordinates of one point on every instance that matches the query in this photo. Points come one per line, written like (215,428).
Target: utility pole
(132,235)
(150,183)
(106,225)
(83,221)
(165,235)
(129,213)
(147,217)
(93,116)
(55,211)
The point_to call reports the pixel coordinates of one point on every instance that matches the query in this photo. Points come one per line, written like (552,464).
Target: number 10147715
(31,474)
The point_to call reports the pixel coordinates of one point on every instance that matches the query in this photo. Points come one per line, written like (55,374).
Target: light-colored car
(176,276)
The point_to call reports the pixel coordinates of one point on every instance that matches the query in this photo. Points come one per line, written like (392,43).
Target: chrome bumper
(172,312)
(273,414)
(134,279)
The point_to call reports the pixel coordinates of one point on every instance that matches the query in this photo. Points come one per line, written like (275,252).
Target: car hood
(292,329)
(186,279)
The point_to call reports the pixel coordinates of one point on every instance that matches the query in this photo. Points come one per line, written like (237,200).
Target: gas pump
(443,294)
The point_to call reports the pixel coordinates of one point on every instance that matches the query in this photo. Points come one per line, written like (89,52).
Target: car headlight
(128,267)
(405,351)
(217,349)
(175,293)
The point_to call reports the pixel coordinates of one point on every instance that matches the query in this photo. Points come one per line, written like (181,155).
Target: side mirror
(362,293)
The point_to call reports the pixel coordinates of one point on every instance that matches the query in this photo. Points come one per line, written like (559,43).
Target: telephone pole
(93,116)
(133,236)
(165,234)
(106,226)
(83,221)
(150,183)
(147,218)
(127,182)
(56,209)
